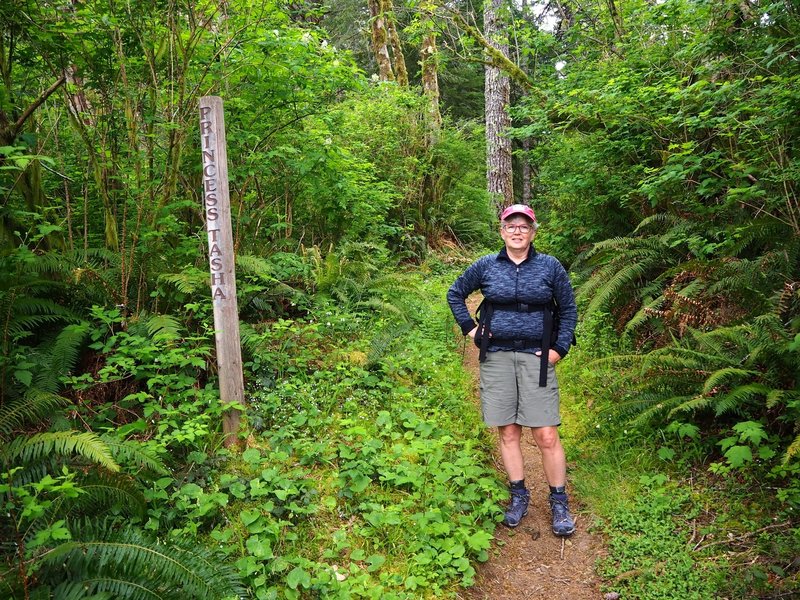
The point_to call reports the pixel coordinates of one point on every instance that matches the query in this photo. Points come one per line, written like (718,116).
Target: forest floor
(529,562)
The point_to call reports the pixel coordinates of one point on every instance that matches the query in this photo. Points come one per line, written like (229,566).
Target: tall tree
(429,61)
(526,141)
(497,95)
(379,47)
(390,19)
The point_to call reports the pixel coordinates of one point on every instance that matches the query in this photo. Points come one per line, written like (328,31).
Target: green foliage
(647,560)
(395,506)
(124,563)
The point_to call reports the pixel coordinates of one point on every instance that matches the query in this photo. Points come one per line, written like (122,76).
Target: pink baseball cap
(518,209)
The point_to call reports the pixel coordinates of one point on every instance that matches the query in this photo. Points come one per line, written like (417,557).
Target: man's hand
(553,357)
(472,333)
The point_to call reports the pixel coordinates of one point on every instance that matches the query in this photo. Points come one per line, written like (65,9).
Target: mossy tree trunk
(379,47)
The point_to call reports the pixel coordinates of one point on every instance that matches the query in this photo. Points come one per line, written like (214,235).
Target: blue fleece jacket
(536,280)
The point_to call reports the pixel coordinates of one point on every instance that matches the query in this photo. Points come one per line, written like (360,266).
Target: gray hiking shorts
(510,391)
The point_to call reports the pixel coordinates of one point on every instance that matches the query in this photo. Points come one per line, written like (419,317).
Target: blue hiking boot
(563,523)
(517,508)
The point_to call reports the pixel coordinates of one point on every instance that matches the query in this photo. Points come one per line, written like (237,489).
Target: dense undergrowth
(680,518)
(664,147)
(364,474)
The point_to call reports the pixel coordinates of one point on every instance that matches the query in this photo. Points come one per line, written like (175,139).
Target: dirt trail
(529,562)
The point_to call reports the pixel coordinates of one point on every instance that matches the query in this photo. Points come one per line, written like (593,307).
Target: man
(528,307)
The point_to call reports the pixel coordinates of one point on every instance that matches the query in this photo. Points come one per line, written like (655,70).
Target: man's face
(513,234)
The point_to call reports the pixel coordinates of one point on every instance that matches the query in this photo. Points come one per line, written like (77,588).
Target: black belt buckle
(522,307)
(519,344)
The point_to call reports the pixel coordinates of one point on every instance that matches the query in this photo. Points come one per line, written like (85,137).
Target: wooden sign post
(221,261)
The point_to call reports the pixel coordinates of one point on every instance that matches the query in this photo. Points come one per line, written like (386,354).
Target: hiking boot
(563,523)
(517,508)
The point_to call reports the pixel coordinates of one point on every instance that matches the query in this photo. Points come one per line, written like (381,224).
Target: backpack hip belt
(485,312)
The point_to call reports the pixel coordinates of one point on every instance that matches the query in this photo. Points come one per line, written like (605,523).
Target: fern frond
(122,561)
(620,280)
(699,402)
(62,443)
(656,219)
(381,307)
(22,322)
(102,491)
(188,281)
(70,591)
(161,328)
(118,589)
(722,377)
(643,314)
(133,453)
(62,355)
(35,405)
(250,338)
(776,397)
(792,451)
(254,264)
(663,406)
(672,358)
(380,345)
(734,400)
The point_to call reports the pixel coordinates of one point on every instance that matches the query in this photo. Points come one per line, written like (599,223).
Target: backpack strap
(485,312)
(547,335)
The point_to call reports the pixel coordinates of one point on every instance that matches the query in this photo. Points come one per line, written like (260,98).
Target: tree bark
(497,92)
(401,73)
(526,142)
(379,47)
(429,61)
(616,18)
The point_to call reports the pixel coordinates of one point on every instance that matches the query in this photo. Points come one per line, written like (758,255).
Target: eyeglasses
(514,228)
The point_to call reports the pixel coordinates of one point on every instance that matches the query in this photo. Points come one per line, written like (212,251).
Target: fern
(132,453)
(736,400)
(103,491)
(160,328)
(656,219)
(35,405)
(644,313)
(722,377)
(61,356)
(127,564)
(382,343)
(63,443)
(792,451)
(68,591)
(188,281)
(694,404)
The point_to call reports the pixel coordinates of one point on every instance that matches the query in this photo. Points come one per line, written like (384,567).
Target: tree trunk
(619,29)
(497,92)
(526,142)
(379,41)
(399,59)
(526,171)
(429,60)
